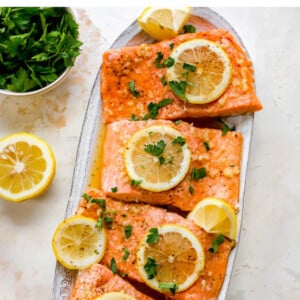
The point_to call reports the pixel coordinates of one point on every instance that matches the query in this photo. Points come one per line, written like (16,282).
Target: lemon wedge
(201,72)
(215,216)
(157,158)
(78,243)
(27,167)
(115,296)
(163,23)
(170,258)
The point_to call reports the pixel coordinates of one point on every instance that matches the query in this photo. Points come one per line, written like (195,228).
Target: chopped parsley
(159,62)
(136,182)
(225,127)
(100,202)
(151,268)
(134,118)
(132,89)
(206,146)
(96,251)
(155,150)
(153,108)
(191,190)
(113,266)
(114,189)
(99,223)
(171,46)
(179,141)
(177,122)
(198,173)
(163,80)
(152,237)
(179,88)
(108,219)
(220,239)
(189,67)
(126,254)
(87,197)
(161,160)
(128,231)
(189,28)
(173,287)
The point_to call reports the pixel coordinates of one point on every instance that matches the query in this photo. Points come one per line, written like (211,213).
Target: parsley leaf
(225,127)
(191,190)
(163,80)
(126,254)
(151,268)
(220,239)
(159,62)
(113,266)
(179,141)
(152,237)
(135,182)
(133,91)
(155,150)
(87,197)
(177,122)
(153,108)
(100,202)
(189,67)
(198,173)
(134,117)
(206,146)
(114,189)
(179,88)
(128,231)
(189,28)
(173,287)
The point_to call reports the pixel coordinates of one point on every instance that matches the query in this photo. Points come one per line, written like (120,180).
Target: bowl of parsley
(38,47)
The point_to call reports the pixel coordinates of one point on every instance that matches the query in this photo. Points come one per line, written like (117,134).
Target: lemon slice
(115,296)
(172,260)
(27,166)
(163,23)
(215,216)
(202,68)
(157,158)
(78,243)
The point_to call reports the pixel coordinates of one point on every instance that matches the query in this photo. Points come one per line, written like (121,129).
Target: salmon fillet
(143,217)
(98,280)
(120,66)
(221,161)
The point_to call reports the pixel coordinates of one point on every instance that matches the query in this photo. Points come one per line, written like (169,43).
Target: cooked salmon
(219,154)
(98,280)
(142,218)
(136,63)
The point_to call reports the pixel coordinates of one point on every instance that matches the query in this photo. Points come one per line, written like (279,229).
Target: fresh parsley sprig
(36,46)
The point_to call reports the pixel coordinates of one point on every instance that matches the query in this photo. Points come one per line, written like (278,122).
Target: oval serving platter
(63,278)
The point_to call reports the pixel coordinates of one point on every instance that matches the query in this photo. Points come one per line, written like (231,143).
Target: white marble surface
(268,261)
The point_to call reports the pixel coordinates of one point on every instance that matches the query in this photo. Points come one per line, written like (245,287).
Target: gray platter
(63,278)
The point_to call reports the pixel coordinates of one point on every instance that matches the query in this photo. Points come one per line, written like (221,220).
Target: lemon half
(27,166)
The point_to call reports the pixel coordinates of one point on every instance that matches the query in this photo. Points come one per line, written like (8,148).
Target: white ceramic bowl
(48,87)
